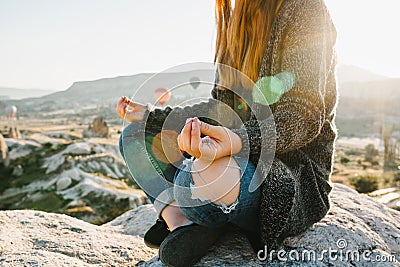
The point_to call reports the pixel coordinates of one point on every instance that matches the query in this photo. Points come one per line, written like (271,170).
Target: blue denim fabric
(152,175)
(207,213)
(155,177)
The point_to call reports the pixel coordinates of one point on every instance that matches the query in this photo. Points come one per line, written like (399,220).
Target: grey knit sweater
(295,193)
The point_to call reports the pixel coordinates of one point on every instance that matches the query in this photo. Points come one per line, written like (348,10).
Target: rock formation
(13,132)
(356,223)
(3,151)
(99,128)
(86,179)
(388,196)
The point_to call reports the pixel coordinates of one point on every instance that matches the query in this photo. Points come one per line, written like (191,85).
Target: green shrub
(365,183)
(390,165)
(47,145)
(397,177)
(344,160)
(371,153)
(353,152)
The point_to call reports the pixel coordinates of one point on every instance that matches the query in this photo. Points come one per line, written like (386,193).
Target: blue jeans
(164,183)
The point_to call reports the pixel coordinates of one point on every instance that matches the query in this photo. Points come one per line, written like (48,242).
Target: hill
(350,73)
(107,91)
(365,97)
(8,93)
(364,107)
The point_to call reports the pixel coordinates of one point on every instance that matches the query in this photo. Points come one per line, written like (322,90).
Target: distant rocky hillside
(357,231)
(370,97)
(364,107)
(16,93)
(350,73)
(106,91)
(365,98)
(82,177)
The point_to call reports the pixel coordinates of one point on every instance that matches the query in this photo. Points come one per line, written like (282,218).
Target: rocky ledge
(356,223)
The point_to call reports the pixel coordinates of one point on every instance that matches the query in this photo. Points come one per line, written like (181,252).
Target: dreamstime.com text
(339,253)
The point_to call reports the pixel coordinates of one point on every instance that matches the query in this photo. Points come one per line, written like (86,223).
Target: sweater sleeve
(306,51)
(174,118)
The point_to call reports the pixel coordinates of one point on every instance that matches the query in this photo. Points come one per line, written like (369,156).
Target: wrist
(236,143)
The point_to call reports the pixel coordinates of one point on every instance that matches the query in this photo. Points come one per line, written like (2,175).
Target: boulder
(13,132)
(45,139)
(79,148)
(18,170)
(53,162)
(3,151)
(98,128)
(388,196)
(355,224)
(63,183)
(34,238)
(19,148)
(59,135)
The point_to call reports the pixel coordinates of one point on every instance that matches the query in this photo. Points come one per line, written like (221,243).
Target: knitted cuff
(242,133)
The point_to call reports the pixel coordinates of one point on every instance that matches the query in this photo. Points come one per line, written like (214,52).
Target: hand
(219,141)
(134,113)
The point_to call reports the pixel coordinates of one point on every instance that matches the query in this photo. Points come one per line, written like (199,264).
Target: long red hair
(242,34)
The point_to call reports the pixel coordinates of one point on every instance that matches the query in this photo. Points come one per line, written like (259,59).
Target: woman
(262,39)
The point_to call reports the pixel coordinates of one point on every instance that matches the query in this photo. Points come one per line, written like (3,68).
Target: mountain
(364,97)
(362,93)
(350,73)
(366,103)
(7,93)
(107,91)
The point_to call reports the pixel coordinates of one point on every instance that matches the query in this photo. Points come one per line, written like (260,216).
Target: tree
(371,153)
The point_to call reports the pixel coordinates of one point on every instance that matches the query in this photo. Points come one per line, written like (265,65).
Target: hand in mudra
(130,111)
(219,141)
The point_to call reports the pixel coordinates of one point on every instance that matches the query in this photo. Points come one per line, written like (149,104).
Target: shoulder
(312,13)
(300,18)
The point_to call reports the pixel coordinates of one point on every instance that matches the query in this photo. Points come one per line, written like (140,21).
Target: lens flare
(165,147)
(269,89)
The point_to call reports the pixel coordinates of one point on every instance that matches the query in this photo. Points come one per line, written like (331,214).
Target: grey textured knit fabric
(295,193)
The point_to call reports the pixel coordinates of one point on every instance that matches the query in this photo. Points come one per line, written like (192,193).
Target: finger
(215,132)
(180,144)
(136,106)
(121,100)
(119,110)
(195,139)
(123,109)
(132,104)
(186,135)
(178,140)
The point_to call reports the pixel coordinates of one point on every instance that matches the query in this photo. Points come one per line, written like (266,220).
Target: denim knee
(133,128)
(129,131)
(204,212)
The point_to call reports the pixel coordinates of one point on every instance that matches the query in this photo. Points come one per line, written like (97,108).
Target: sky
(49,44)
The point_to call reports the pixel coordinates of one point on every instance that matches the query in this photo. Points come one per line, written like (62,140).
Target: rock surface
(19,148)
(388,196)
(83,178)
(99,128)
(3,151)
(355,223)
(13,132)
